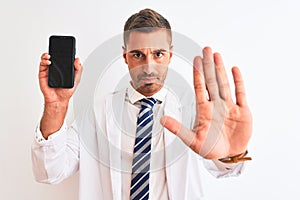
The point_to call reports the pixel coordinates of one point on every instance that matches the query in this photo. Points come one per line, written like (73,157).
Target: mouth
(148,80)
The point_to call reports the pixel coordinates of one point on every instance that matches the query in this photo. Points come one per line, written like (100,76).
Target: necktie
(142,151)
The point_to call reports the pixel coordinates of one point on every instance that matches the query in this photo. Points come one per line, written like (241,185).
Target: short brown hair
(146,20)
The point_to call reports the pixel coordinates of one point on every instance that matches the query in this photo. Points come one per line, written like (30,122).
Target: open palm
(222,128)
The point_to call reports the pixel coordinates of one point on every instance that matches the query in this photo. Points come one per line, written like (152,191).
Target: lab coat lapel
(114,108)
(174,148)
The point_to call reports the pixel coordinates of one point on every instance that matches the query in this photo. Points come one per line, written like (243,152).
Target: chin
(149,89)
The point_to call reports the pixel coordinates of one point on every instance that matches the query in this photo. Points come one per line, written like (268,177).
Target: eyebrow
(163,50)
(135,51)
(138,51)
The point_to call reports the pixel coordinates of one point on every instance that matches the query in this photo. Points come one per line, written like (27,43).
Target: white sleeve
(221,170)
(56,158)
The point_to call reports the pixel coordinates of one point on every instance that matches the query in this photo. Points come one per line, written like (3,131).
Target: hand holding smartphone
(62,55)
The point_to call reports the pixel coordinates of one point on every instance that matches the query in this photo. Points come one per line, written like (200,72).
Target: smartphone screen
(62,55)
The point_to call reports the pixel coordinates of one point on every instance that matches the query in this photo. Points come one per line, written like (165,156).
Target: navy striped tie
(142,151)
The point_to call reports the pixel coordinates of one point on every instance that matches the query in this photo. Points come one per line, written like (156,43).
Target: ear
(124,54)
(171,52)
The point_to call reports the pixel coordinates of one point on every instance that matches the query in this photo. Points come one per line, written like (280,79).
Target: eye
(159,54)
(138,55)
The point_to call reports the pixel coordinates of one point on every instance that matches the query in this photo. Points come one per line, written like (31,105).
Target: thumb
(186,135)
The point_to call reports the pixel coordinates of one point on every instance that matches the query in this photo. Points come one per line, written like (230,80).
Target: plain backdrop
(261,37)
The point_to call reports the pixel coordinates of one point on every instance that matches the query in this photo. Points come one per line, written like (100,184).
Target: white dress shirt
(65,152)
(157,180)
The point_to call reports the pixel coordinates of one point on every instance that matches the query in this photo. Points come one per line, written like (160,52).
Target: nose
(149,59)
(149,64)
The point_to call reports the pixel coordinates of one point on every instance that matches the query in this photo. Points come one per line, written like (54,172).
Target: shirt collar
(135,96)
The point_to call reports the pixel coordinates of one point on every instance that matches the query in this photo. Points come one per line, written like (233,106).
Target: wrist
(55,110)
(53,117)
(236,158)
(57,102)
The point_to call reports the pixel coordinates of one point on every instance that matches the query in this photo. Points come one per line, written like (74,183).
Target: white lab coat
(97,154)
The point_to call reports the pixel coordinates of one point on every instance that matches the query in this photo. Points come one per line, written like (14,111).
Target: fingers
(44,63)
(45,59)
(240,91)
(210,73)
(45,56)
(186,135)
(199,83)
(215,75)
(223,84)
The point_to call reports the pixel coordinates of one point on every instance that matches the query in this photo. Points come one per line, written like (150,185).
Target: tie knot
(148,102)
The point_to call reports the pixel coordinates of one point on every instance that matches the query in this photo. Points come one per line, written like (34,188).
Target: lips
(148,80)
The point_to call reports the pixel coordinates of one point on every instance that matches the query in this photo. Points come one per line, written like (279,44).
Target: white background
(261,37)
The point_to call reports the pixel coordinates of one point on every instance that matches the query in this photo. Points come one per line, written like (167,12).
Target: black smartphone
(62,55)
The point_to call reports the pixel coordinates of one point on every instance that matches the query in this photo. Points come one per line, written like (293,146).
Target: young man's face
(148,56)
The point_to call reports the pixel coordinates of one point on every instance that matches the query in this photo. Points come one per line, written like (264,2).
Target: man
(133,157)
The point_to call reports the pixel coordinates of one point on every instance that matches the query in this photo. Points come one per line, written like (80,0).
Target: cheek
(164,61)
(163,65)
(132,64)
(134,71)
(163,71)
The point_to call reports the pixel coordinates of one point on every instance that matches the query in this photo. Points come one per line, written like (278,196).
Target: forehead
(159,39)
